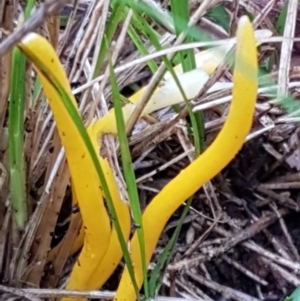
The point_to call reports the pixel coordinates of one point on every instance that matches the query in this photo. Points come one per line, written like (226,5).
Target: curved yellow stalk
(168,94)
(84,176)
(107,124)
(210,163)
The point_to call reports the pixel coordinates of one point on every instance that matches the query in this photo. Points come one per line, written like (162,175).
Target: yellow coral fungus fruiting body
(165,95)
(90,271)
(82,169)
(210,163)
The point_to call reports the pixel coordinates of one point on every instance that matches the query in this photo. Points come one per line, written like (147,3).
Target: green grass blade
(29,7)
(220,16)
(164,258)
(129,176)
(295,296)
(142,8)
(141,48)
(280,24)
(181,15)
(16,133)
(16,140)
(152,36)
(151,11)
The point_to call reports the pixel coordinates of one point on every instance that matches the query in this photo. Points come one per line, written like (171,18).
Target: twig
(107,295)
(49,8)
(286,49)
(244,270)
(19,293)
(226,292)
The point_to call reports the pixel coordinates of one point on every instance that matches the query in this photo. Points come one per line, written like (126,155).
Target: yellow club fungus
(205,167)
(101,251)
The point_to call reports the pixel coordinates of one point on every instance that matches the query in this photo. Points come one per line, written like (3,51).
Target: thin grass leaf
(181,15)
(280,24)
(16,140)
(143,8)
(29,7)
(151,11)
(295,296)
(16,133)
(141,48)
(130,180)
(165,257)
(152,36)
(220,15)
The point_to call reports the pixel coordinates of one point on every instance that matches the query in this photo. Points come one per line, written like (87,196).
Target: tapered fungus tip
(243,21)
(244,27)
(28,38)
